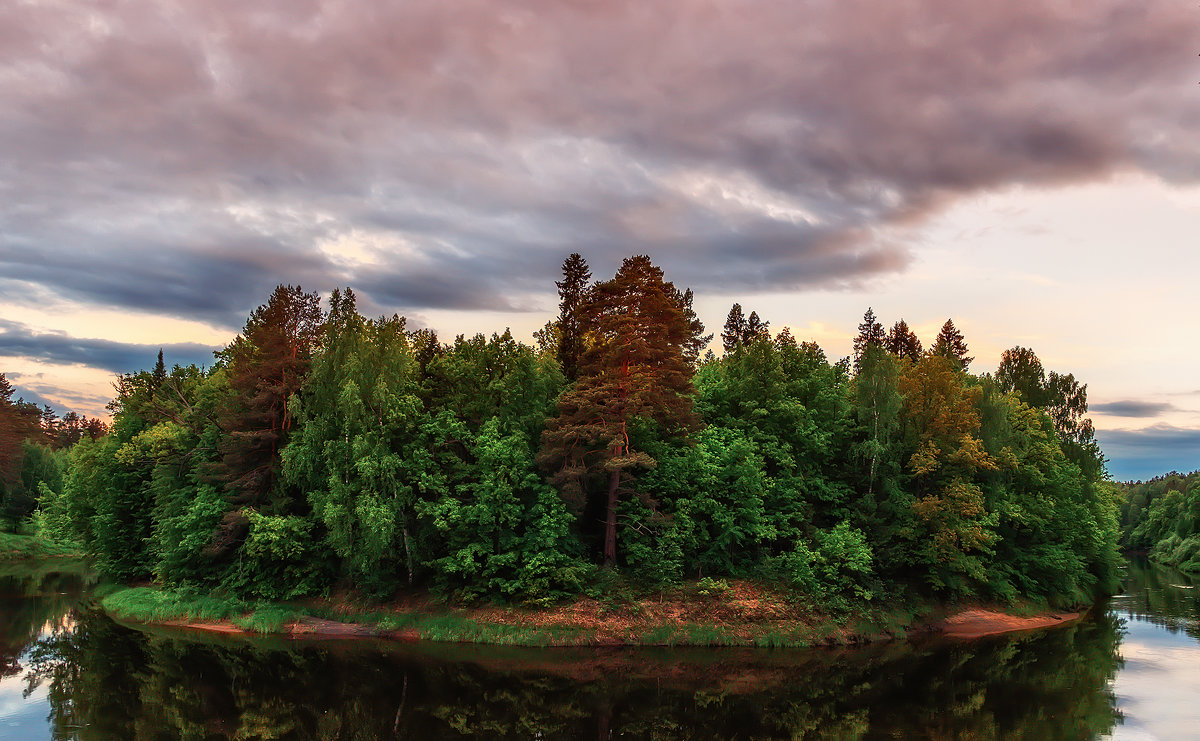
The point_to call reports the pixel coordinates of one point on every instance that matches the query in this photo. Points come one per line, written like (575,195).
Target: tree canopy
(325,451)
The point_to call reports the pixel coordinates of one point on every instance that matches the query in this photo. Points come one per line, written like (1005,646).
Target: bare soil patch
(977,623)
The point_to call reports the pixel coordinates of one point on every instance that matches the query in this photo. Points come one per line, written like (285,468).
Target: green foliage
(355,453)
(280,559)
(505,532)
(1163,518)
(331,452)
(41,470)
(149,605)
(267,619)
(14,546)
(792,407)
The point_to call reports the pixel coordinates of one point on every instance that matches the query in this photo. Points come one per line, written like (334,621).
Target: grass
(454,628)
(150,605)
(451,625)
(689,634)
(727,619)
(14,546)
(153,605)
(267,619)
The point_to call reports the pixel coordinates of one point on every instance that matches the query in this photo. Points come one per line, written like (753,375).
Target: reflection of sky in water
(1158,689)
(23,718)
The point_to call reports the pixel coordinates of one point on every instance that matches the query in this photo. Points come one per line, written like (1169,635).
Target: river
(1129,671)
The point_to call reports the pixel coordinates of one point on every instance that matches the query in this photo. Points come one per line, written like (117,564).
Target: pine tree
(572,292)
(266,363)
(870,333)
(950,344)
(636,368)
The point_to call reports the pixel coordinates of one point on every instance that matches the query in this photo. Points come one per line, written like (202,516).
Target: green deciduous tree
(357,452)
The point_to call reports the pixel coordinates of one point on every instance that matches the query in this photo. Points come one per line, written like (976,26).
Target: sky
(1030,169)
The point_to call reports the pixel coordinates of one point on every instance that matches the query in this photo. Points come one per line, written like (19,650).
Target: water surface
(1130,671)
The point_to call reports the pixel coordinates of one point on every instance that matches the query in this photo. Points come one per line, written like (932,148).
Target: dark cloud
(27,394)
(118,357)
(1148,452)
(186,157)
(1131,408)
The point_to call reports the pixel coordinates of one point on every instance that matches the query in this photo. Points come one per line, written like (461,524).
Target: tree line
(1161,517)
(33,444)
(326,450)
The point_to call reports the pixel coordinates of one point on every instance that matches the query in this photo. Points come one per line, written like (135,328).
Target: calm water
(67,672)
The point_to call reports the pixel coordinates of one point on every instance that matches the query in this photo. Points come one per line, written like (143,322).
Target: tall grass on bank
(149,605)
(14,546)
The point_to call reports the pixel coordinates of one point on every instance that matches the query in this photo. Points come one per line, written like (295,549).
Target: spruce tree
(740,331)
(735,329)
(950,344)
(572,293)
(903,343)
(755,328)
(697,340)
(159,376)
(870,334)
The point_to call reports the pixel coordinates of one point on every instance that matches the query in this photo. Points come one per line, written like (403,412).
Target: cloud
(1132,408)
(58,347)
(34,388)
(186,157)
(25,393)
(1150,451)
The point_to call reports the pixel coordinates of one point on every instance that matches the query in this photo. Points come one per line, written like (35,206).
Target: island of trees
(323,451)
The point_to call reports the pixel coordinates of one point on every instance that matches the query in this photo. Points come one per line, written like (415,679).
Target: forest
(1162,518)
(323,450)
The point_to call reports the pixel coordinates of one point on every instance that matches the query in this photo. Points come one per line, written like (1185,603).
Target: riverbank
(742,614)
(14,547)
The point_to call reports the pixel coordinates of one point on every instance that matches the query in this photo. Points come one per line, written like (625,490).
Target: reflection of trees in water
(33,599)
(1162,596)
(123,684)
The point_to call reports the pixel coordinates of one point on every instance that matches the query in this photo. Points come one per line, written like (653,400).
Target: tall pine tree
(636,370)
(266,363)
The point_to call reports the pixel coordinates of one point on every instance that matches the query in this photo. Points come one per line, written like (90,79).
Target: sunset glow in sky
(1030,169)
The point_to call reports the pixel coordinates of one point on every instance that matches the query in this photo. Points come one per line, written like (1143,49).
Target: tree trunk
(610,520)
(408,555)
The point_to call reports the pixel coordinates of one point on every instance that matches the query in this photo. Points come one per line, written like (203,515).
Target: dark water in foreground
(66,672)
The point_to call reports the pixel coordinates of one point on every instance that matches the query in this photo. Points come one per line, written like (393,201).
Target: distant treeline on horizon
(326,450)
